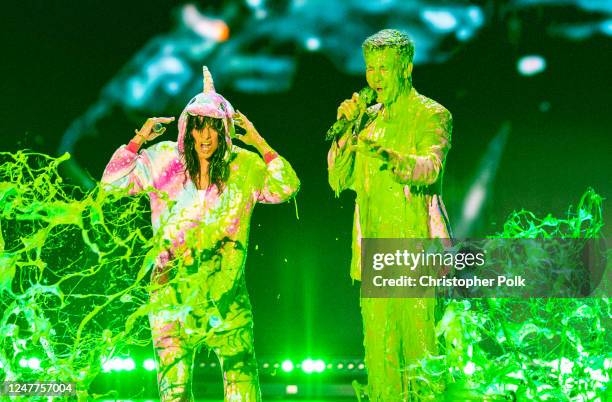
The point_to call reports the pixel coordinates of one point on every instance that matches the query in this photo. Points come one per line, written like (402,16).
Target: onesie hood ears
(208,103)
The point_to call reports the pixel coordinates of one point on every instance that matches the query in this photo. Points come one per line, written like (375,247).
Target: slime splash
(73,273)
(498,349)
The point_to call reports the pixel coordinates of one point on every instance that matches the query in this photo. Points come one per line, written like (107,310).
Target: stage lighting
(23,362)
(128,364)
(464,34)
(149,364)
(34,363)
(531,65)
(291,389)
(111,365)
(606,27)
(287,366)
(476,15)
(319,366)
(313,44)
(211,28)
(440,20)
(118,364)
(308,366)
(469,368)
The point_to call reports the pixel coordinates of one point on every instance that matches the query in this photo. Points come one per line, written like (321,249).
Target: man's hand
(394,161)
(351,108)
(148,130)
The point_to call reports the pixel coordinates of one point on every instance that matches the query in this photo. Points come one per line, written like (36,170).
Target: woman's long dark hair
(219,168)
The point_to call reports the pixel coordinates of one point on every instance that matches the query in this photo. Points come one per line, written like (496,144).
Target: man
(202,190)
(392,155)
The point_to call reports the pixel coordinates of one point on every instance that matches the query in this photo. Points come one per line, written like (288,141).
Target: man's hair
(219,167)
(390,39)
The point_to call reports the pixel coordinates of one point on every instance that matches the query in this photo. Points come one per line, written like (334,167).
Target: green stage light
(149,364)
(308,366)
(287,366)
(469,368)
(23,362)
(128,364)
(118,364)
(34,363)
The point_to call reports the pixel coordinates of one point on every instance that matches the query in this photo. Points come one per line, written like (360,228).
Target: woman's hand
(251,137)
(151,129)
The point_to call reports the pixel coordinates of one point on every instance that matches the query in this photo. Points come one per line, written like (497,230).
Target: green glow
(319,366)
(308,366)
(34,363)
(149,364)
(128,364)
(73,294)
(287,366)
(532,348)
(73,274)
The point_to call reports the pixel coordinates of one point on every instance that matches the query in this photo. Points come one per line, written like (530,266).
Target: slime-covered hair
(390,39)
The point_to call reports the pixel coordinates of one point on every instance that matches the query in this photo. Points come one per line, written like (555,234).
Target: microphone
(368,95)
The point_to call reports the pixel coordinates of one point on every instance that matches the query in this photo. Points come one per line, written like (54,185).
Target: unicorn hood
(211,104)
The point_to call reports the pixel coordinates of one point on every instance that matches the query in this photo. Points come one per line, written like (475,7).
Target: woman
(202,190)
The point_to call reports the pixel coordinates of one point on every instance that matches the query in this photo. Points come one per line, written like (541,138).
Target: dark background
(57,56)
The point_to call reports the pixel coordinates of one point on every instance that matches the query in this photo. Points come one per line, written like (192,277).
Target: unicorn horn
(209,86)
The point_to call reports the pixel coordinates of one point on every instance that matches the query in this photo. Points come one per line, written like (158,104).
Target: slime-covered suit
(395,200)
(199,296)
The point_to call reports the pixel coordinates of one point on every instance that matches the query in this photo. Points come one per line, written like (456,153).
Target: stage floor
(217,400)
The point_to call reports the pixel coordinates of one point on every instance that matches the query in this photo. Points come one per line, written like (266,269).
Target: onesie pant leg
(174,361)
(236,353)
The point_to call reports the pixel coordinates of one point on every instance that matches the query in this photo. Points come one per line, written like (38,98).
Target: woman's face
(206,141)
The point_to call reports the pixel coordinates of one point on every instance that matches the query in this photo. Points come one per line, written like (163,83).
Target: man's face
(386,74)
(206,141)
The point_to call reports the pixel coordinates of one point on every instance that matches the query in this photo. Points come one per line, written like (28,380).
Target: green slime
(74,288)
